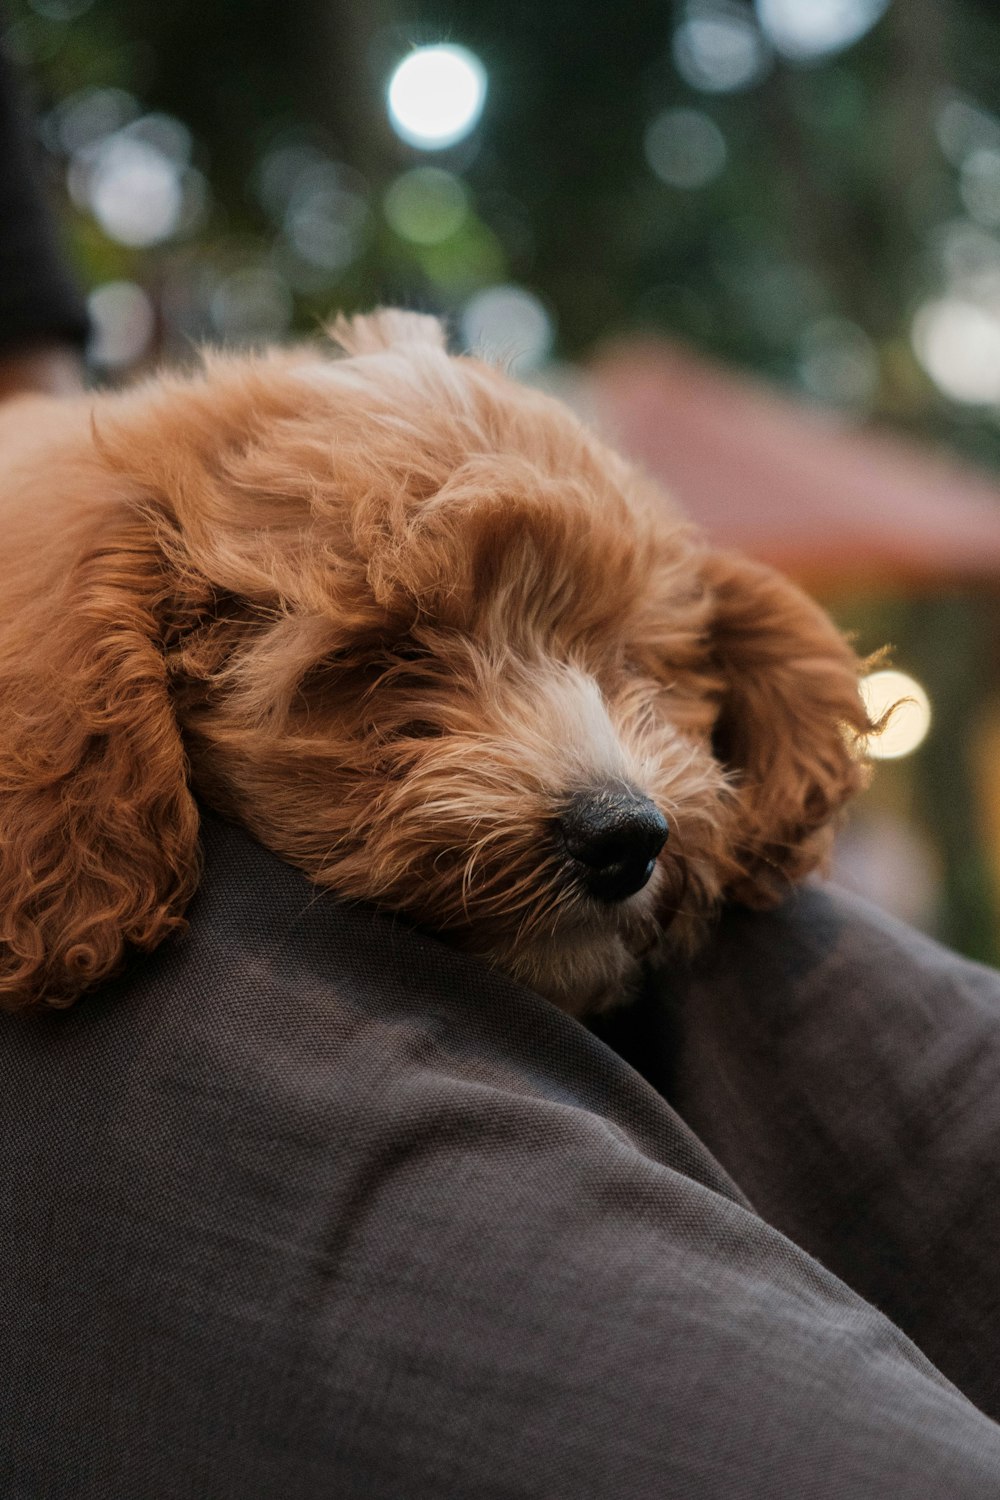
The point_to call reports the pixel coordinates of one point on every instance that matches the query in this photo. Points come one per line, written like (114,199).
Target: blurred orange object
(835,506)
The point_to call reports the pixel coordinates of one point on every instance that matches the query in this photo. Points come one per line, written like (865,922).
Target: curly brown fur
(389,611)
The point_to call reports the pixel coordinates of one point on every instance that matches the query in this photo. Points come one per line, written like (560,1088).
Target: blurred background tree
(807,189)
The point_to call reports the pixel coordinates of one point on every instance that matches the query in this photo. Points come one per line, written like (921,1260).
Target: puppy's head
(426,638)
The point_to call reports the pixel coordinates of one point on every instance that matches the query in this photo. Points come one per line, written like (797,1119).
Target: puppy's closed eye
(408,651)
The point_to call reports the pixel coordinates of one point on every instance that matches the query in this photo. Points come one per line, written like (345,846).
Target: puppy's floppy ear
(789,722)
(98,831)
(387,328)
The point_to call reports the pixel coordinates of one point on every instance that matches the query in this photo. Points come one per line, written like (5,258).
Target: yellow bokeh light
(910,719)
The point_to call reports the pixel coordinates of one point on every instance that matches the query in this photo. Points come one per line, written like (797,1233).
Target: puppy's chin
(582,978)
(590,966)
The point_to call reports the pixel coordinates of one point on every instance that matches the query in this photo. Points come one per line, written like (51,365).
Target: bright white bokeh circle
(911,717)
(436,96)
(135,190)
(805,30)
(958,343)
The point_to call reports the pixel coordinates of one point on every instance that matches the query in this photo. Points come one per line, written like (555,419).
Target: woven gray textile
(307,1205)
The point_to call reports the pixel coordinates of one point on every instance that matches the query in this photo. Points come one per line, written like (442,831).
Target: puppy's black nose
(614,836)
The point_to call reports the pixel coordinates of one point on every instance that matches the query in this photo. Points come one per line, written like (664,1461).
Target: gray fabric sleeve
(846,1071)
(306,1205)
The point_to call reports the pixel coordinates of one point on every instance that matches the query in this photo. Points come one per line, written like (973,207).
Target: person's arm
(43,321)
(55,369)
(307,1204)
(846,1071)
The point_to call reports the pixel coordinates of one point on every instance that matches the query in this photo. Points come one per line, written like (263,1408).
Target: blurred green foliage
(829,210)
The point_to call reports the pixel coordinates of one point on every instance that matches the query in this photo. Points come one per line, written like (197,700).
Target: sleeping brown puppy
(422,634)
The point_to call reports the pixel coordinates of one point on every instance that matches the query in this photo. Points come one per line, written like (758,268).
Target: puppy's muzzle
(612,836)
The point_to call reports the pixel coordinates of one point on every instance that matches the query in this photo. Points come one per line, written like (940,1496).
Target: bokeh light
(426,205)
(509,324)
(958,344)
(838,365)
(718,49)
(135,191)
(979,185)
(252,305)
(326,217)
(807,30)
(685,148)
(436,96)
(963,126)
(134,178)
(285,167)
(87,116)
(969,255)
(911,713)
(123,323)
